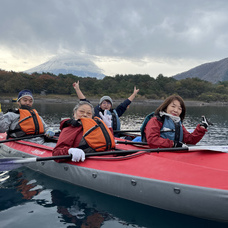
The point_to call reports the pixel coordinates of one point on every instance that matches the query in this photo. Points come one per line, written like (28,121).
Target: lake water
(30,199)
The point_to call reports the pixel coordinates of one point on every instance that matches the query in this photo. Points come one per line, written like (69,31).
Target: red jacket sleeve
(70,137)
(195,136)
(152,132)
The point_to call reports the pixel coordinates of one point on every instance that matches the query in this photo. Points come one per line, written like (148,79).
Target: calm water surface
(30,199)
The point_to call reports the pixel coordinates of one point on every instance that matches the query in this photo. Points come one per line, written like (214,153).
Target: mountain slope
(69,64)
(212,72)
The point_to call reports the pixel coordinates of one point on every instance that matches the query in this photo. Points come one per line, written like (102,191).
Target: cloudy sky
(120,36)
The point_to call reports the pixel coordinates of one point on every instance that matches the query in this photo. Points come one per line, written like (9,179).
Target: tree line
(119,86)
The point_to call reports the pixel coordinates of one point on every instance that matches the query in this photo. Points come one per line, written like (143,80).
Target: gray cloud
(132,29)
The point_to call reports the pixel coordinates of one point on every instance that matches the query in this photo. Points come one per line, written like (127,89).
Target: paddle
(122,131)
(7,164)
(54,138)
(21,138)
(130,142)
(12,163)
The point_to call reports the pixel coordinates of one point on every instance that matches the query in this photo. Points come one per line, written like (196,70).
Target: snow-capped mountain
(69,64)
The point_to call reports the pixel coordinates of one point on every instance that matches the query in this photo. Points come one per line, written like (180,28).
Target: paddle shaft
(130,142)
(116,152)
(21,138)
(122,131)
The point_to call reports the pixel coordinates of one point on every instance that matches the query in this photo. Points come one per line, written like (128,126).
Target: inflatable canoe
(191,182)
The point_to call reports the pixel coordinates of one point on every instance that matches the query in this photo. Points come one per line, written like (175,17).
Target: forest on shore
(119,86)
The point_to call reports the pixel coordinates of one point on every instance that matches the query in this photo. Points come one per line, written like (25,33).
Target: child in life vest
(84,134)
(165,128)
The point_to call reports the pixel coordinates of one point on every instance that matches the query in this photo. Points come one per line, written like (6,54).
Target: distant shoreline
(74,99)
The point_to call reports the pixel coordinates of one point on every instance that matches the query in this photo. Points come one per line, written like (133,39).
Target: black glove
(205,123)
(179,144)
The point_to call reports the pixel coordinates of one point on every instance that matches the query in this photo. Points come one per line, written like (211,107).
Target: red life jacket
(96,136)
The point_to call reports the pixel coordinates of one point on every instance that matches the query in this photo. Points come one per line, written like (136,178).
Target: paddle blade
(220,148)
(7,164)
(211,148)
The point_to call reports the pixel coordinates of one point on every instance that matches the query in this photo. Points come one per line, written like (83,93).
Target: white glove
(106,118)
(50,132)
(77,154)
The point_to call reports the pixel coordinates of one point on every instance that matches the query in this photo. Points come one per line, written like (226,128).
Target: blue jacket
(116,113)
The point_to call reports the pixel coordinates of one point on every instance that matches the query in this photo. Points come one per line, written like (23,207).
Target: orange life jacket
(96,136)
(30,122)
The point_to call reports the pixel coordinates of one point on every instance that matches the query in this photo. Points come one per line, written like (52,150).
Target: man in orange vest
(25,120)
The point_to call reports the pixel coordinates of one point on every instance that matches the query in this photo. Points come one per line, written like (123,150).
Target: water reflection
(53,203)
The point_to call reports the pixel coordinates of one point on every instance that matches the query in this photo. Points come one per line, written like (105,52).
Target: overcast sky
(120,36)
